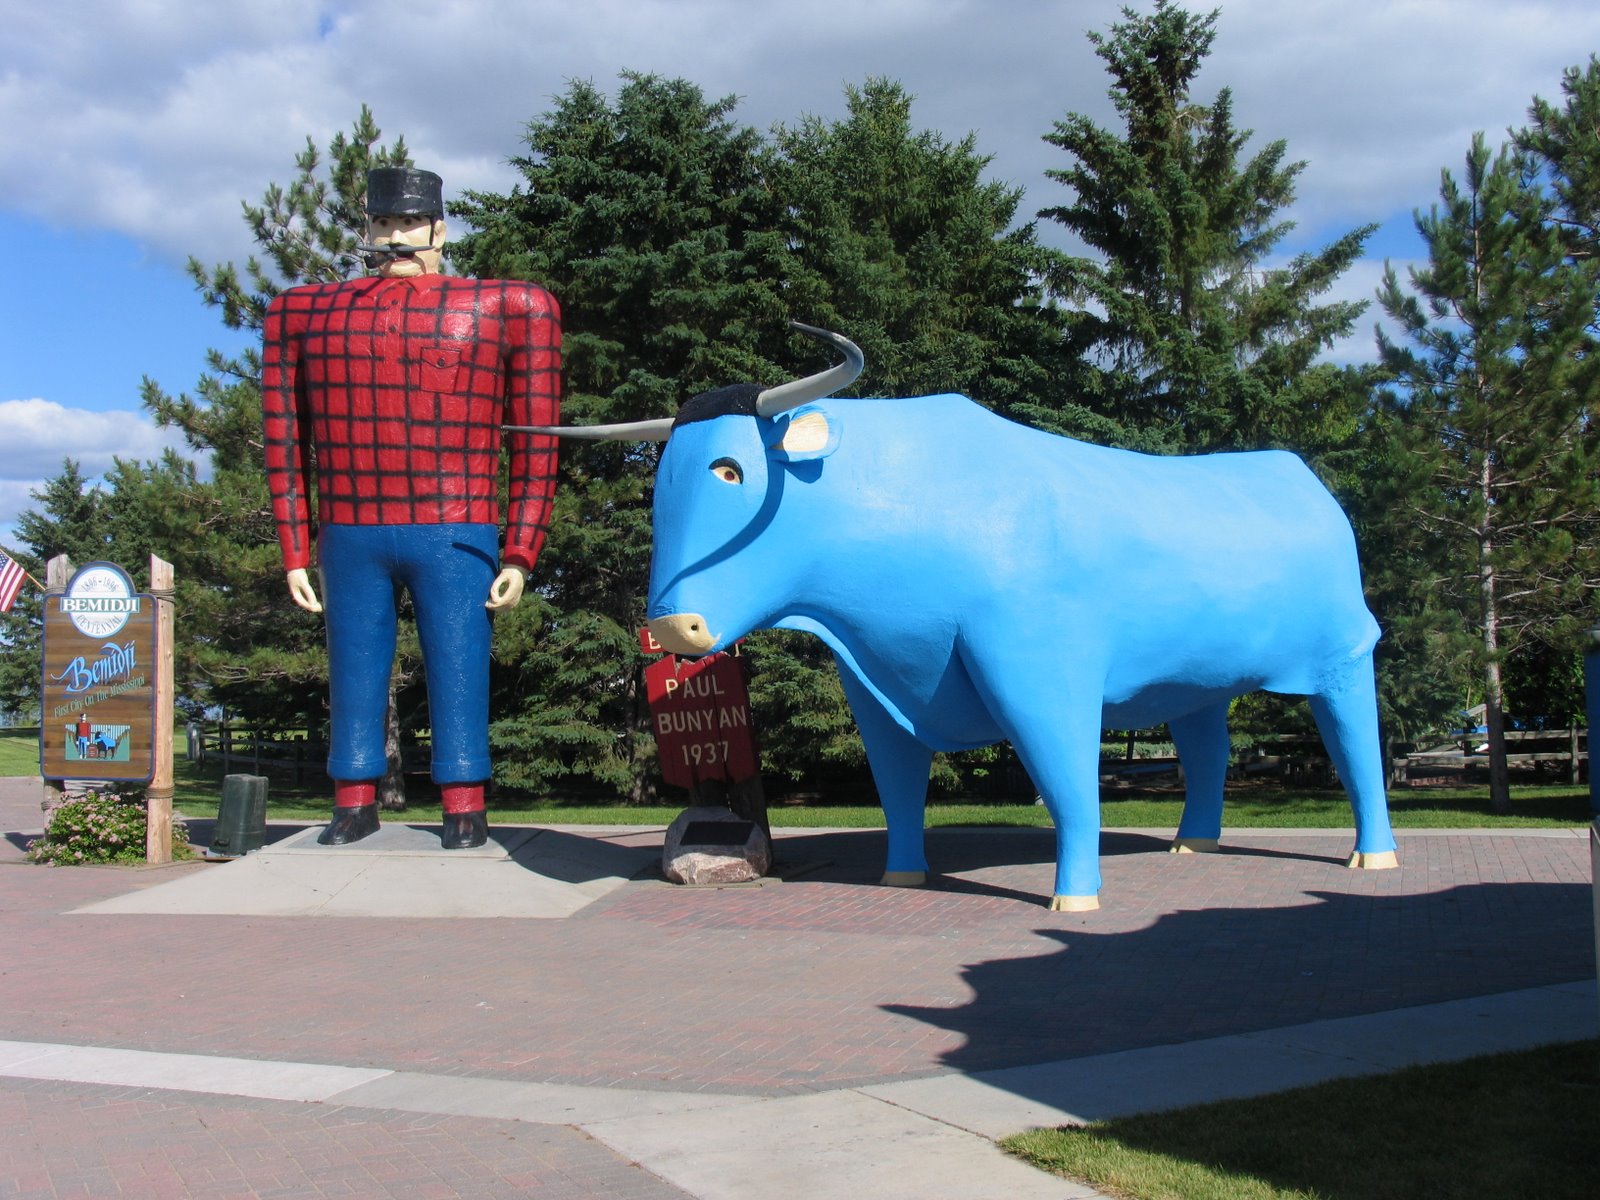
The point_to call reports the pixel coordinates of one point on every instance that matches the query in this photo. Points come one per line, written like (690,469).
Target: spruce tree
(69,518)
(647,217)
(1194,339)
(899,240)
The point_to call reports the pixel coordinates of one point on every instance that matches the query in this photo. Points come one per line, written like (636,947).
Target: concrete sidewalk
(269,1025)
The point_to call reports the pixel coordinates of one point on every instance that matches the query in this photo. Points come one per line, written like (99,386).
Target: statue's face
(408,230)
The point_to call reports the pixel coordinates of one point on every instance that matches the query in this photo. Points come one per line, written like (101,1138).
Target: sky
(131,130)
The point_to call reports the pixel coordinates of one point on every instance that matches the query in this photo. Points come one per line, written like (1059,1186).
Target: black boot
(463,831)
(350,824)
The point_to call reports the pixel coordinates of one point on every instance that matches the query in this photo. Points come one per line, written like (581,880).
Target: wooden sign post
(107,689)
(158,796)
(700,716)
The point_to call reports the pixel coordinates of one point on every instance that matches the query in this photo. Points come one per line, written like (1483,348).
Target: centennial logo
(100,600)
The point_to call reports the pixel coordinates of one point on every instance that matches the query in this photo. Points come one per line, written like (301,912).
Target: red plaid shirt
(397,389)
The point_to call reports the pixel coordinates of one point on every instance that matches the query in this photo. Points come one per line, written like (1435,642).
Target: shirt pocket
(437,368)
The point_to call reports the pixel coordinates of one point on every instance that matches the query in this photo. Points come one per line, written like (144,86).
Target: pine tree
(1193,338)
(1494,481)
(647,217)
(1563,142)
(679,244)
(901,242)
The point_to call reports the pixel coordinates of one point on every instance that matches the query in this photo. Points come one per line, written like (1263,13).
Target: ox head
(728,457)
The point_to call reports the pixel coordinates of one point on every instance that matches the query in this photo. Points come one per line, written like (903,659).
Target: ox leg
(1203,748)
(1052,717)
(1063,759)
(900,765)
(1347,718)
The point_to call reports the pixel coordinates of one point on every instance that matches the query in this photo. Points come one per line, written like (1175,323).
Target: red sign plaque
(700,715)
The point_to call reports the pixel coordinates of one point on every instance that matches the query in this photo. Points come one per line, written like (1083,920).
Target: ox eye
(727,470)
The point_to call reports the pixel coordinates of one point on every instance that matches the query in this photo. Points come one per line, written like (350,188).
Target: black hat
(404,191)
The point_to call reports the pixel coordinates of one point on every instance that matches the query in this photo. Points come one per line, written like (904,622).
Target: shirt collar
(417,283)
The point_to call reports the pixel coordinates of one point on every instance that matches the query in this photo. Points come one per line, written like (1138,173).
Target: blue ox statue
(979,580)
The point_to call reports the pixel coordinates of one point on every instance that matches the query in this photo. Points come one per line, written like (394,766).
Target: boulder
(710,845)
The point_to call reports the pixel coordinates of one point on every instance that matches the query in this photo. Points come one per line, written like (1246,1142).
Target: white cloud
(1361,283)
(40,434)
(155,117)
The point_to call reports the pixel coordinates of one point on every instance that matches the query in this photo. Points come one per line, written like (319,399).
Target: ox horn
(769,403)
(657,430)
(796,392)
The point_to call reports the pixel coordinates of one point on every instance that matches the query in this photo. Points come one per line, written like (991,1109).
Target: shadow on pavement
(1218,971)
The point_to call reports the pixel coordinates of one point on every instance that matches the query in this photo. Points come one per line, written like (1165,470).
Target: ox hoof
(1074,903)
(1193,845)
(904,878)
(1378,860)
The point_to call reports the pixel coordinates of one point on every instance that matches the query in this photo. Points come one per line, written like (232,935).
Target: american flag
(12,577)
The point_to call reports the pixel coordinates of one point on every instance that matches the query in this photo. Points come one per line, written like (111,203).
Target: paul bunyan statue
(383,401)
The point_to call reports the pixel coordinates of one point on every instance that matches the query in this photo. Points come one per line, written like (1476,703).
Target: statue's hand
(300,589)
(506,590)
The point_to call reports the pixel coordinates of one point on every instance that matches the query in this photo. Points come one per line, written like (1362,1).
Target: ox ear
(806,433)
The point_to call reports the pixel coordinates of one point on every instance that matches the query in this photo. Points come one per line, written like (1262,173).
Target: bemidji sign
(98,694)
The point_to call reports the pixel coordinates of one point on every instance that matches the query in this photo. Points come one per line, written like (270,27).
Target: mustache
(390,249)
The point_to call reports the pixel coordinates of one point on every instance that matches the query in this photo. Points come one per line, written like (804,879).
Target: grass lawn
(19,752)
(1263,806)
(1508,1125)
(197,788)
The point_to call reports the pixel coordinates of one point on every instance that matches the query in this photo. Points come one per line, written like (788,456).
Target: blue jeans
(448,570)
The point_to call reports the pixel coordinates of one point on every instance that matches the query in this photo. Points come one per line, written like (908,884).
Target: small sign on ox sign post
(700,715)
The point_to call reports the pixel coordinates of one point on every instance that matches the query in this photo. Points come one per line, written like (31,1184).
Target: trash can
(241,817)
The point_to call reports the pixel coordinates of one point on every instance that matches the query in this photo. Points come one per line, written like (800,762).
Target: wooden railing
(1538,747)
(302,755)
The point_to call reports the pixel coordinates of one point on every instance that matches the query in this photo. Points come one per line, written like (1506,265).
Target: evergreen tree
(1562,140)
(1564,144)
(647,216)
(1193,339)
(679,244)
(1494,488)
(70,520)
(901,242)
(110,520)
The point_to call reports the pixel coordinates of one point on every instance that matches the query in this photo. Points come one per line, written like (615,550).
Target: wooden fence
(1539,749)
(1302,759)
(302,755)
(1295,759)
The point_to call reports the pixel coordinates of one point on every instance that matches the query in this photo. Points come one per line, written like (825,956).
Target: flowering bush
(99,827)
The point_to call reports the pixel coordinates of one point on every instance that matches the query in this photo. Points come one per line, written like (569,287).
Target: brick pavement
(823,981)
(60,1139)
(817,983)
